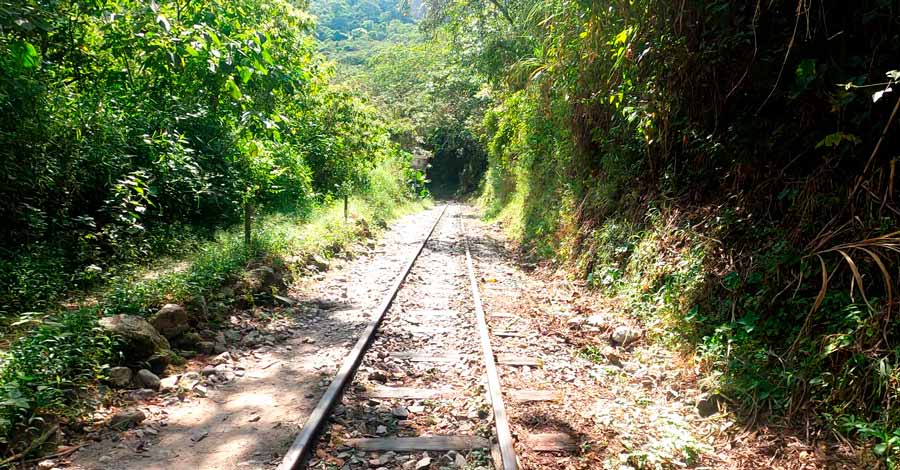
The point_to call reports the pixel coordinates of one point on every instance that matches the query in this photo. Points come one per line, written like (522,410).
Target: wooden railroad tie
(411,444)
(508,334)
(536,395)
(551,442)
(516,360)
(501,315)
(450,357)
(438,313)
(407,393)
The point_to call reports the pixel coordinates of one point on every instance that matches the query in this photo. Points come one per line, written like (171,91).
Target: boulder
(625,335)
(206,347)
(126,419)
(262,280)
(709,405)
(147,379)
(171,321)
(119,376)
(140,340)
(188,340)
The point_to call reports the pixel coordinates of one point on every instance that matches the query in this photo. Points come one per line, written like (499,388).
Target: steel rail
(504,436)
(297,456)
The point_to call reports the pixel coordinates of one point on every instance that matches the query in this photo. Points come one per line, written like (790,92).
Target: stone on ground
(147,379)
(141,340)
(126,418)
(171,321)
(119,376)
(625,335)
(261,280)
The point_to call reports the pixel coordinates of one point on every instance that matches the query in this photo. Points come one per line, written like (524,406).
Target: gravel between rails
(432,319)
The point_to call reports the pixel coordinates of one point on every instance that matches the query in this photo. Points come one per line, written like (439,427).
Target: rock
(400,412)
(206,347)
(147,379)
(381,429)
(378,377)
(595,320)
(126,419)
(320,262)
(188,340)
(219,347)
(140,340)
(200,390)
(612,356)
(251,339)
(158,362)
(416,409)
(119,376)
(221,359)
(262,280)
(141,394)
(709,405)
(624,335)
(171,321)
(46,464)
(208,370)
(424,463)
(168,383)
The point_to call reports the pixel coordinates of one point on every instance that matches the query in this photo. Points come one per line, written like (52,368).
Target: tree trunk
(346,213)
(248,220)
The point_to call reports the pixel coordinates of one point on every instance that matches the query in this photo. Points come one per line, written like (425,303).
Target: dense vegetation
(725,170)
(133,130)
(434,103)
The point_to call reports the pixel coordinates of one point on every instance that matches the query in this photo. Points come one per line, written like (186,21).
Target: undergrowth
(61,353)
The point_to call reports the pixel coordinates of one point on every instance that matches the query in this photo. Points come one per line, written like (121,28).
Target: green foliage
(132,135)
(43,372)
(695,159)
(433,100)
(156,117)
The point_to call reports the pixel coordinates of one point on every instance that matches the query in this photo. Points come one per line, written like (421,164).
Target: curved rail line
(298,454)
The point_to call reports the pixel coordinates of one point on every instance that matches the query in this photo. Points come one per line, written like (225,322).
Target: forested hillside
(723,171)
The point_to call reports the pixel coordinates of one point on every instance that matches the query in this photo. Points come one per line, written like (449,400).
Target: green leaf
(233,89)
(245,73)
(833,140)
(25,54)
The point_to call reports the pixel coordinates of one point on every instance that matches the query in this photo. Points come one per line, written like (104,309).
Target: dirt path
(627,401)
(281,360)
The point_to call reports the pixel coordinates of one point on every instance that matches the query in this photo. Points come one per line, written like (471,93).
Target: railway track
(421,387)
